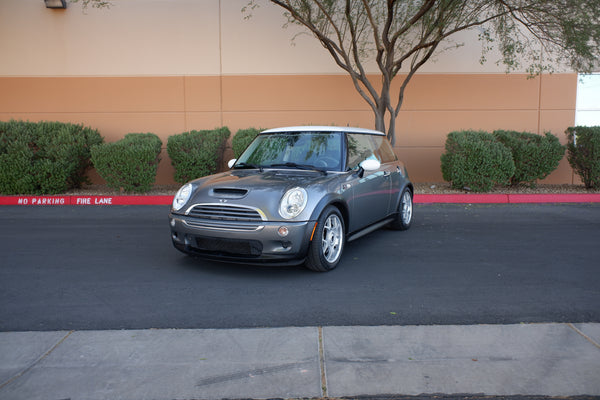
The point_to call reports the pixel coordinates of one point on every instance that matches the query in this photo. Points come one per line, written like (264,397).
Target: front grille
(229,247)
(224,226)
(222,212)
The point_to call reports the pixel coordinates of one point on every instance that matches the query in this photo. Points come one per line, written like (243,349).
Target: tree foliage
(402,35)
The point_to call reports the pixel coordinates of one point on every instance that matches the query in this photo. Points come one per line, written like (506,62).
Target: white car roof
(310,128)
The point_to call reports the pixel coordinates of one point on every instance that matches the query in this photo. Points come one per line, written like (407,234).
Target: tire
(328,241)
(403,218)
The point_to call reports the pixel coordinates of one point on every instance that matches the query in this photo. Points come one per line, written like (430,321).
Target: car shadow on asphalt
(198,265)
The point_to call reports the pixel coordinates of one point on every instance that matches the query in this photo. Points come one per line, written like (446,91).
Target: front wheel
(328,241)
(404,216)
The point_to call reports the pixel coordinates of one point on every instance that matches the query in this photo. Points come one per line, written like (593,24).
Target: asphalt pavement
(447,360)
(112,268)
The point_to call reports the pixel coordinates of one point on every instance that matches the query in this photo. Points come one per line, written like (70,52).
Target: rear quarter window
(384,149)
(362,147)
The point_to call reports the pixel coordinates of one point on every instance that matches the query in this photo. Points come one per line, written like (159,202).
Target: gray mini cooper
(295,195)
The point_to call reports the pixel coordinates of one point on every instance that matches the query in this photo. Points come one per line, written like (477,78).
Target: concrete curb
(419,199)
(508,198)
(85,200)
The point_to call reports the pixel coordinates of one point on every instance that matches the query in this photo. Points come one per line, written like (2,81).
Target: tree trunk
(380,125)
(391,133)
(379,120)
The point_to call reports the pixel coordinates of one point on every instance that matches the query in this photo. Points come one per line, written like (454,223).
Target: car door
(392,168)
(371,190)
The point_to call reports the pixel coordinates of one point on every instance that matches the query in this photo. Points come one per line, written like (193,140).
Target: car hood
(262,190)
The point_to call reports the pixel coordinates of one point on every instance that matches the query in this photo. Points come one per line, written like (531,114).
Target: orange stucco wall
(435,105)
(169,66)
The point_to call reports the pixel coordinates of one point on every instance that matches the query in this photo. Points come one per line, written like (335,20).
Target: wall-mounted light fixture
(56,3)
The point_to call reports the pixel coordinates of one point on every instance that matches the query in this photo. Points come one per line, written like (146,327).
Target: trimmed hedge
(584,153)
(242,139)
(476,160)
(535,156)
(197,153)
(129,164)
(44,157)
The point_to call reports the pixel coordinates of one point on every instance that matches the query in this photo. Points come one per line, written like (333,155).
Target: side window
(384,149)
(360,147)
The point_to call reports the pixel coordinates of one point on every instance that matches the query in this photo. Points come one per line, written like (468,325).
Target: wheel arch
(335,201)
(398,198)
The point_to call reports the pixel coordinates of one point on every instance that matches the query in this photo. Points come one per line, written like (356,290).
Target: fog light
(283,231)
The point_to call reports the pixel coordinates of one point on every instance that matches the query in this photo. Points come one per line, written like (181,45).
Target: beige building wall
(169,66)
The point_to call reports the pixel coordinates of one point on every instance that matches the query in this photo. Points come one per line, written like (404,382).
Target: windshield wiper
(300,166)
(248,166)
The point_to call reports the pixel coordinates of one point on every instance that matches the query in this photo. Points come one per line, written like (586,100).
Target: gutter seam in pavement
(36,362)
(589,339)
(322,364)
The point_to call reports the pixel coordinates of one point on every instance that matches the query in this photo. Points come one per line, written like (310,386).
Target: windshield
(321,151)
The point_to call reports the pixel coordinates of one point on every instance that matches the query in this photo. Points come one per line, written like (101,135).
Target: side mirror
(231,162)
(370,164)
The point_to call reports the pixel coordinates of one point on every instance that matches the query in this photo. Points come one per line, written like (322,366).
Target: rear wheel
(327,245)
(404,216)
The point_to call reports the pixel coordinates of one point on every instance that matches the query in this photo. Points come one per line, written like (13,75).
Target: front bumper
(242,242)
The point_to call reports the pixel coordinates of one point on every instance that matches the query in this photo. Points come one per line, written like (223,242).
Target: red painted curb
(418,199)
(507,198)
(35,200)
(84,200)
(461,198)
(555,198)
(121,200)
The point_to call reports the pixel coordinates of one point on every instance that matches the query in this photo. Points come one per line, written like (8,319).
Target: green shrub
(129,164)
(44,157)
(535,156)
(242,139)
(197,153)
(584,153)
(476,160)
(16,170)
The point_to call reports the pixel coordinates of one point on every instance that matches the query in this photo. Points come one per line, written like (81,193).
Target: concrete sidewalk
(526,359)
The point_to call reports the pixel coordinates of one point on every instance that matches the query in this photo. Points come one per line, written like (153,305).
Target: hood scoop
(228,193)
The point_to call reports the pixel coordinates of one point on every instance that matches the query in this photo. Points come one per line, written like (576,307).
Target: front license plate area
(234,247)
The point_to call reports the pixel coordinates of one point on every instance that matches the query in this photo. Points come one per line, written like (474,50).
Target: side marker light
(313,232)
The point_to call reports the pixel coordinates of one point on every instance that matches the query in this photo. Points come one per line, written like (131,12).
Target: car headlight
(293,203)
(182,196)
